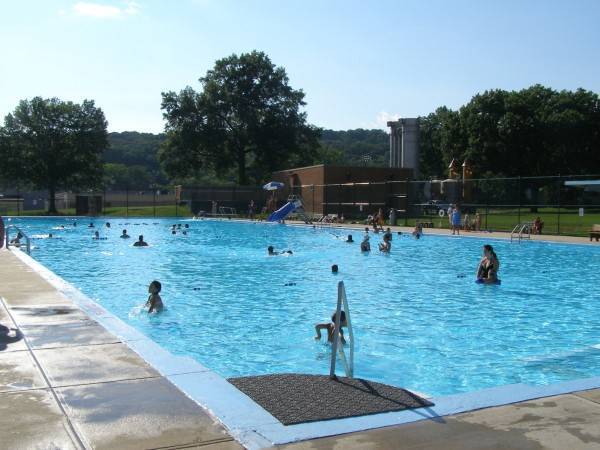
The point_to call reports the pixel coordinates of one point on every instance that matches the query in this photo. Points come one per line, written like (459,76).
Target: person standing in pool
(154,300)
(489,265)
(140,242)
(386,245)
(330,327)
(388,234)
(365,245)
(125,235)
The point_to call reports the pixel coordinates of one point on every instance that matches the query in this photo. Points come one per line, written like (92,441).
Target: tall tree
(52,144)
(246,116)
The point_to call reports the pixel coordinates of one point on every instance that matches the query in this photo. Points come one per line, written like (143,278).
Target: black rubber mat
(295,398)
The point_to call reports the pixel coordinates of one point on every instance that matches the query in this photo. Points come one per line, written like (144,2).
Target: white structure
(404,144)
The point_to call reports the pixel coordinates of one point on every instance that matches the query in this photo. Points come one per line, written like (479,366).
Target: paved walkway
(478,234)
(67,383)
(555,423)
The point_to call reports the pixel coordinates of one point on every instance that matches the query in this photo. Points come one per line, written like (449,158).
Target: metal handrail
(519,229)
(27,240)
(336,345)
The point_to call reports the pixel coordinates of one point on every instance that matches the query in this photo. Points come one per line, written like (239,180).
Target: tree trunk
(52,200)
(241,167)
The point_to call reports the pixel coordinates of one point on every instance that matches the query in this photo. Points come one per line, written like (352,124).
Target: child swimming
(330,327)
(154,301)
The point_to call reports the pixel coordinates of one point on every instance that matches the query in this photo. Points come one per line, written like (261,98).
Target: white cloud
(104,11)
(381,120)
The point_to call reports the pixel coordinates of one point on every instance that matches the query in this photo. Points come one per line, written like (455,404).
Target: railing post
(558,209)
(336,332)
(519,194)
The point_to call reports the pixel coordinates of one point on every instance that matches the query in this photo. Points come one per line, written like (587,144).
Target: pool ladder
(27,240)
(336,345)
(521,231)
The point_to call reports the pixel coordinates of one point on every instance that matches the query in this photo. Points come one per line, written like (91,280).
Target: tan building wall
(352,191)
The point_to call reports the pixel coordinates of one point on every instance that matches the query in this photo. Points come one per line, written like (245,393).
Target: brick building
(352,191)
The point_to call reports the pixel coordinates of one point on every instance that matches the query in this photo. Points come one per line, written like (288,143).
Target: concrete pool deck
(66,382)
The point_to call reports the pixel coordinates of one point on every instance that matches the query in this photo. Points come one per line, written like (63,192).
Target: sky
(360,63)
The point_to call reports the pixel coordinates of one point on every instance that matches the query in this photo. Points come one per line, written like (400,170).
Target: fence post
(176,203)
(519,193)
(18,202)
(127,201)
(154,201)
(487,209)
(313,200)
(558,209)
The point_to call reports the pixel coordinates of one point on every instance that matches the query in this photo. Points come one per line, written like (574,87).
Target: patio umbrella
(273,186)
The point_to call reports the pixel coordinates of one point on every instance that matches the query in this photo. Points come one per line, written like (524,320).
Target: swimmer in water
(386,245)
(96,235)
(272,251)
(350,240)
(487,272)
(124,235)
(334,268)
(330,327)
(91,225)
(173,231)
(388,234)
(140,242)
(365,245)
(154,302)
(107,224)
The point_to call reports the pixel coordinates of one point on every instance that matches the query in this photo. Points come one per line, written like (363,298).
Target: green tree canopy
(247,116)
(532,132)
(53,144)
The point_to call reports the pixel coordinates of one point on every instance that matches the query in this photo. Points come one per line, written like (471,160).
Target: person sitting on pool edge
(487,272)
(125,235)
(140,242)
(154,301)
(272,251)
(365,245)
(330,327)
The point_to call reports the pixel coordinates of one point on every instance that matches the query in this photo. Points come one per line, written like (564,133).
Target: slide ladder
(336,345)
(521,231)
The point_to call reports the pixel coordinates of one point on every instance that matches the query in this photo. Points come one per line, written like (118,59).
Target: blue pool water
(420,320)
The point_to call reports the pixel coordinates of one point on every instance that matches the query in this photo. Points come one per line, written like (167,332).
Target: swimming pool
(419,319)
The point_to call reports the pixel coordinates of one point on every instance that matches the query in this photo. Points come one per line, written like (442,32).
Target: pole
(154,201)
(519,210)
(558,209)
(127,201)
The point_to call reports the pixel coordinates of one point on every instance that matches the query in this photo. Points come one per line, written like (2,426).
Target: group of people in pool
(487,273)
(140,242)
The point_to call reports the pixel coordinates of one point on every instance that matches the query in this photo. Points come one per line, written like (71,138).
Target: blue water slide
(283,212)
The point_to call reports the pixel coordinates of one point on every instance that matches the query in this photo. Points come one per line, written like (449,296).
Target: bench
(595,232)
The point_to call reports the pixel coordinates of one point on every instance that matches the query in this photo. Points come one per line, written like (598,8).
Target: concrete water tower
(404,144)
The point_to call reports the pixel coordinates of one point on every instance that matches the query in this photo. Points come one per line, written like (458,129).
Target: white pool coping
(248,422)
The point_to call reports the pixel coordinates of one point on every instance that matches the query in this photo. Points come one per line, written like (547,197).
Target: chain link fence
(565,204)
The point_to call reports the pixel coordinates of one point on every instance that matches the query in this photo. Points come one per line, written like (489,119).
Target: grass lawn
(505,220)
